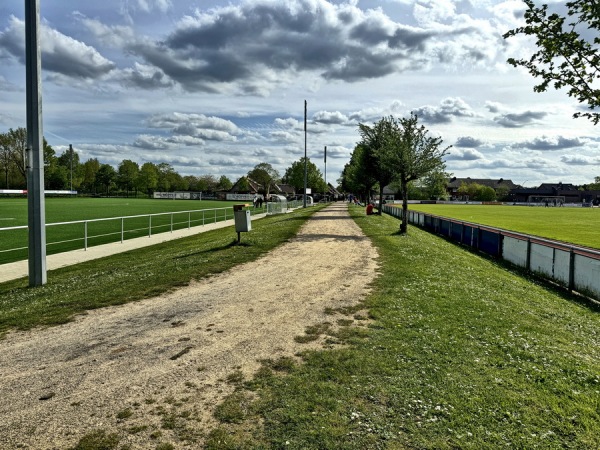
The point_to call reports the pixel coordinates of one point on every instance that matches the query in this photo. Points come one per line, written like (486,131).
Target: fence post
(150,226)
(85,235)
(122,229)
(189,220)
(171,222)
(571,270)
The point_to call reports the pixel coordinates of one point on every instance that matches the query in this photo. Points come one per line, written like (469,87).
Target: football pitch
(580,226)
(13,213)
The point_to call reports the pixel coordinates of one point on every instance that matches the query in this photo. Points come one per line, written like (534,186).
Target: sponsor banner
(24,191)
(179,195)
(238,197)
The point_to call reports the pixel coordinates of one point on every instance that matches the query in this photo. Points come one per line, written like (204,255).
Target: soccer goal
(546,200)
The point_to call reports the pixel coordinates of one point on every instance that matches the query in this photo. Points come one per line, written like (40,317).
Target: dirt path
(153,371)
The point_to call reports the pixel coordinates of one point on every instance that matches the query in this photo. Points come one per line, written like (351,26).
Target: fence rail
(80,234)
(575,268)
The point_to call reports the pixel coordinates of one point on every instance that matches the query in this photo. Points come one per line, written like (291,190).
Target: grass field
(459,352)
(579,226)
(13,212)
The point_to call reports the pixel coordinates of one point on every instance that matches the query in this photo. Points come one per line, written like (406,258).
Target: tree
(207,183)
(50,164)
(357,176)
(568,51)
(165,173)
(147,180)
(294,176)
(106,176)
(477,192)
(264,174)
(128,172)
(90,170)
(69,159)
(16,142)
(411,154)
(595,186)
(374,141)
(13,148)
(435,184)
(224,184)
(5,159)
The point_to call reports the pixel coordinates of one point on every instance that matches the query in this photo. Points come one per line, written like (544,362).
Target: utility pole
(36,210)
(71,158)
(305,158)
(325,160)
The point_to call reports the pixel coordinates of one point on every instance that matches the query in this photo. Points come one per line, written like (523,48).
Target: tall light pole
(325,161)
(71,157)
(305,160)
(36,210)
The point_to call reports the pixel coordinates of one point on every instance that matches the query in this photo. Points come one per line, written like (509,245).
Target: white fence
(83,233)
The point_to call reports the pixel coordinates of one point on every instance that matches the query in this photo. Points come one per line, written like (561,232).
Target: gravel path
(153,371)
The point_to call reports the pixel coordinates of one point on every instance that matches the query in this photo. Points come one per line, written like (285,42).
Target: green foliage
(106,177)
(128,172)
(435,183)
(224,183)
(358,176)
(98,440)
(477,192)
(374,141)
(568,51)
(265,175)
(409,153)
(294,176)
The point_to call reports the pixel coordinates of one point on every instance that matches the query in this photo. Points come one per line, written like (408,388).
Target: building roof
(455,183)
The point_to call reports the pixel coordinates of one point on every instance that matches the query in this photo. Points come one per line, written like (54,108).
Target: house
(286,190)
(549,192)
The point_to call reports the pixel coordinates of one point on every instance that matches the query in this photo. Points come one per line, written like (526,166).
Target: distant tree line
(67,172)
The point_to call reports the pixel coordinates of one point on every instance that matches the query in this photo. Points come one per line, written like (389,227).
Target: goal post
(546,200)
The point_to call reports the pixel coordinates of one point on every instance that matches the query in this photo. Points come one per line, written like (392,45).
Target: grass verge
(460,353)
(140,273)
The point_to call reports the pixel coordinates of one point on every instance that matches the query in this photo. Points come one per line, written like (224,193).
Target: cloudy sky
(218,86)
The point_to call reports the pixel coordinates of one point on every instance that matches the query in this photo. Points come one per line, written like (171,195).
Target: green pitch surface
(13,212)
(579,226)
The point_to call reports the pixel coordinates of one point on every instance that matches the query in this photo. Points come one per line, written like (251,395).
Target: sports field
(579,226)
(13,213)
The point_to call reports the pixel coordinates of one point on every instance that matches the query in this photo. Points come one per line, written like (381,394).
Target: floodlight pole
(305,159)
(71,157)
(35,165)
(325,161)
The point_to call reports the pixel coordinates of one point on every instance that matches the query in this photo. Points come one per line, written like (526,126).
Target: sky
(216,87)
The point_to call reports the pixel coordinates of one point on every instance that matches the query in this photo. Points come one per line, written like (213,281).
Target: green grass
(140,273)
(13,212)
(460,353)
(573,225)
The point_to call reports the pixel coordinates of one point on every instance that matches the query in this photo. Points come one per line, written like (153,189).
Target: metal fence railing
(575,268)
(80,234)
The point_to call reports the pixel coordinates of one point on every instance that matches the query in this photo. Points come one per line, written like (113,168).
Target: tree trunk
(380,199)
(404,223)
